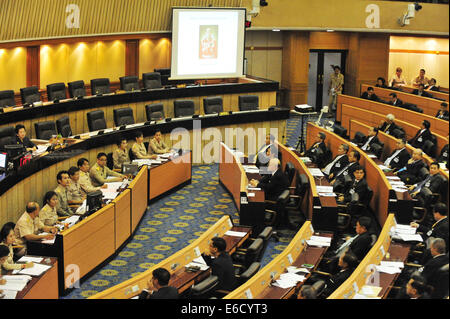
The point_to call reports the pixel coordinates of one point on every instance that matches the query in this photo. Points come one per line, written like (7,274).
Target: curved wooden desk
(438,126)
(373,118)
(295,254)
(364,273)
(436,94)
(383,194)
(175,264)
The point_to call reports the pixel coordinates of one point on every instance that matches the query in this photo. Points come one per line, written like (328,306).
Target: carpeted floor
(173,222)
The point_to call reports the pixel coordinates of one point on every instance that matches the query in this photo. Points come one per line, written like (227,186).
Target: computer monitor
(94,201)
(130,169)
(14,150)
(3,161)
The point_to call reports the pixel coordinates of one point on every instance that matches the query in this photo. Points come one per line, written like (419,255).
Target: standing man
(99,172)
(336,84)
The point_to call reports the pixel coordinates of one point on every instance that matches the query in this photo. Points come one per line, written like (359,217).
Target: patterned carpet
(173,222)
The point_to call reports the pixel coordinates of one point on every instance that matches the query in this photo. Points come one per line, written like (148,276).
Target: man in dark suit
(432,86)
(266,152)
(388,126)
(422,135)
(409,173)
(273,183)
(443,156)
(432,184)
(347,264)
(221,265)
(338,181)
(318,144)
(394,100)
(339,162)
(431,270)
(370,139)
(158,286)
(440,228)
(443,112)
(370,95)
(421,91)
(399,157)
(358,186)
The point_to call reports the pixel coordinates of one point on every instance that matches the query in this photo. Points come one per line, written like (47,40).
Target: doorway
(320,70)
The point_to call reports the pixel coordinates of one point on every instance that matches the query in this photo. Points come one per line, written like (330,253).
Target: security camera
(417,6)
(263,3)
(410,13)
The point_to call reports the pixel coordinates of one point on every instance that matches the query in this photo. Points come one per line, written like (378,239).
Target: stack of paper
(28,259)
(326,191)
(8,294)
(251,169)
(390,267)
(393,178)
(295,270)
(82,209)
(319,241)
(288,280)
(47,241)
(36,270)
(235,233)
(41,149)
(198,262)
(316,172)
(406,233)
(72,220)
(147,162)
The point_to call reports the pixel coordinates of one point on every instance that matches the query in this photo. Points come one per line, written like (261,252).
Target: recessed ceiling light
(276,30)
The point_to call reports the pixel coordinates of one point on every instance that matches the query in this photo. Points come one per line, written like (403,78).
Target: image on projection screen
(207,43)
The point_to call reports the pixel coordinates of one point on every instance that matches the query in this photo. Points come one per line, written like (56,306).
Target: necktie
(343,247)
(419,187)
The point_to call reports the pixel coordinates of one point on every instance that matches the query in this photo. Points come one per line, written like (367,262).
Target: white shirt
(365,146)
(327,169)
(388,161)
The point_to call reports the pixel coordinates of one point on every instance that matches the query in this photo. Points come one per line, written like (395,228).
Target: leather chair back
(100,86)
(123,116)
(56,91)
(7,135)
(76,89)
(213,105)
(96,120)
(154,111)
(45,130)
(63,126)
(358,138)
(248,102)
(129,83)
(151,80)
(30,94)
(183,108)
(7,98)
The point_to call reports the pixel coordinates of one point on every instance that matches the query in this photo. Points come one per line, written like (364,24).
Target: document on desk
(28,259)
(415,237)
(397,264)
(318,243)
(405,229)
(42,148)
(36,270)
(235,233)
(321,239)
(13,285)
(372,156)
(8,294)
(82,208)
(393,178)
(324,189)
(198,262)
(370,291)
(252,169)
(72,220)
(47,241)
(388,269)
(316,172)
(327,194)
(361,296)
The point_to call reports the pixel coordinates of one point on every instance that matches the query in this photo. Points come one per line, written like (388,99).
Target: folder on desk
(36,270)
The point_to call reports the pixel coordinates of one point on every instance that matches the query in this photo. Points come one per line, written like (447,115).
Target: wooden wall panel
(33,66)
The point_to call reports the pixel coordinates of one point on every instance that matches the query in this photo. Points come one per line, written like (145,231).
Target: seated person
(22,139)
(263,155)
(353,162)
(318,144)
(273,183)
(443,113)
(120,154)
(7,239)
(338,163)
(62,191)
(307,292)
(85,180)
(432,184)
(430,270)
(443,155)
(397,79)
(409,173)
(370,139)
(421,91)
(358,186)
(29,226)
(99,172)
(388,126)
(440,228)
(399,157)
(417,289)
(381,83)
(4,253)
(48,214)
(138,148)
(75,195)
(421,79)
(263,158)
(394,100)
(347,264)
(423,135)
(432,85)
(158,286)
(369,94)
(157,145)
(221,264)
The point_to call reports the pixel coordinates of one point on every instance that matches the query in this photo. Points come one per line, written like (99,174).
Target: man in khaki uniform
(29,226)
(75,195)
(85,180)
(62,191)
(157,145)
(100,172)
(336,83)
(138,148)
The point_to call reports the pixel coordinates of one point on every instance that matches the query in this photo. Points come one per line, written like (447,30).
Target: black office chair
(351,211)
(165,74)
(248,102)
(63,126)
(265,235)
(205,288)
(251,270)
(289,170)
(244,257)
(295,216)
(100,86)
(429,148)
(131,155)
(151,80)
(123,116)
(339,130)
(96,120)
(76,89)
(376,149)
(397,133)
(56,91)
(7,98)
(213,105)
(45,130)
(274,217)
(358,139)
(109,160)
(155,111)
(7,135)
(30,95)
(129,83)
(183,108)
